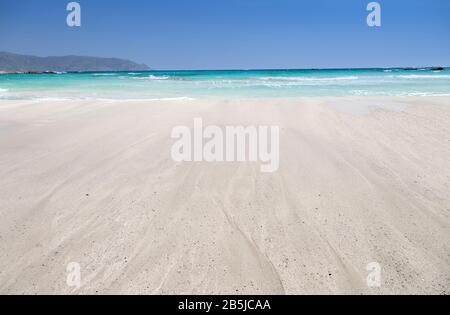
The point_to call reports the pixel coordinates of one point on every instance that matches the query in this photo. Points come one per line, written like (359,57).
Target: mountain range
(10,62)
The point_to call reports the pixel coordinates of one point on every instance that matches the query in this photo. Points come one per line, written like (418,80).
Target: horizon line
(218,69)
(296,69)
(234,69)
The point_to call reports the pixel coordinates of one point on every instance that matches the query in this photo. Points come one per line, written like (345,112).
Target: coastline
(29,72)
(94,183)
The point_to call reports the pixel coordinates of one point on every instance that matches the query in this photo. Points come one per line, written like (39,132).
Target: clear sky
(233,34)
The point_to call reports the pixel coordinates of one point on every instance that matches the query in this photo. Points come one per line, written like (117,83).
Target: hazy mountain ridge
(10,62)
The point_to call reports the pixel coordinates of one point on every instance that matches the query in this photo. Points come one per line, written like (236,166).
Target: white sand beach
(360,180)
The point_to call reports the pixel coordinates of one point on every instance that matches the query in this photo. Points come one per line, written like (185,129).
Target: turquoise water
(152,85)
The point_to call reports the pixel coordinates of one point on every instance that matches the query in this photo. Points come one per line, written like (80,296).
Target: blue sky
(234,34)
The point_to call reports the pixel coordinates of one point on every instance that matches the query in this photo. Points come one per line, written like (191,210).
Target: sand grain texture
(94,183)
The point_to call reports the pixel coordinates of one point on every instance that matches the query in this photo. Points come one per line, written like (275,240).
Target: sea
(198,84)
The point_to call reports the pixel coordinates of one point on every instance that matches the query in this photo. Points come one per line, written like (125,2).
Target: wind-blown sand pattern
(94,183)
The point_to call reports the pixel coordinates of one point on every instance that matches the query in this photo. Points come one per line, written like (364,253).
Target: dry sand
(360,180)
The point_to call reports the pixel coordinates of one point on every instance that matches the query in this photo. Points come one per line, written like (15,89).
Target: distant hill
(21,63)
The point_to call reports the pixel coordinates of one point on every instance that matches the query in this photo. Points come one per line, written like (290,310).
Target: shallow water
(182,85)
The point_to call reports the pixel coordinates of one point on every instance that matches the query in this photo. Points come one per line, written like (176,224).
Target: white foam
(170,99)
(104,74)
(93,99)
(372,93)
(425,94)
(51,99)
(424,76)
(150,77)
(154,77)
(344,78)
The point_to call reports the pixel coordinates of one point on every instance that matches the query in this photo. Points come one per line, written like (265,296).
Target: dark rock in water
(30,72)
(410,69)
(437,68)
(40,72)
